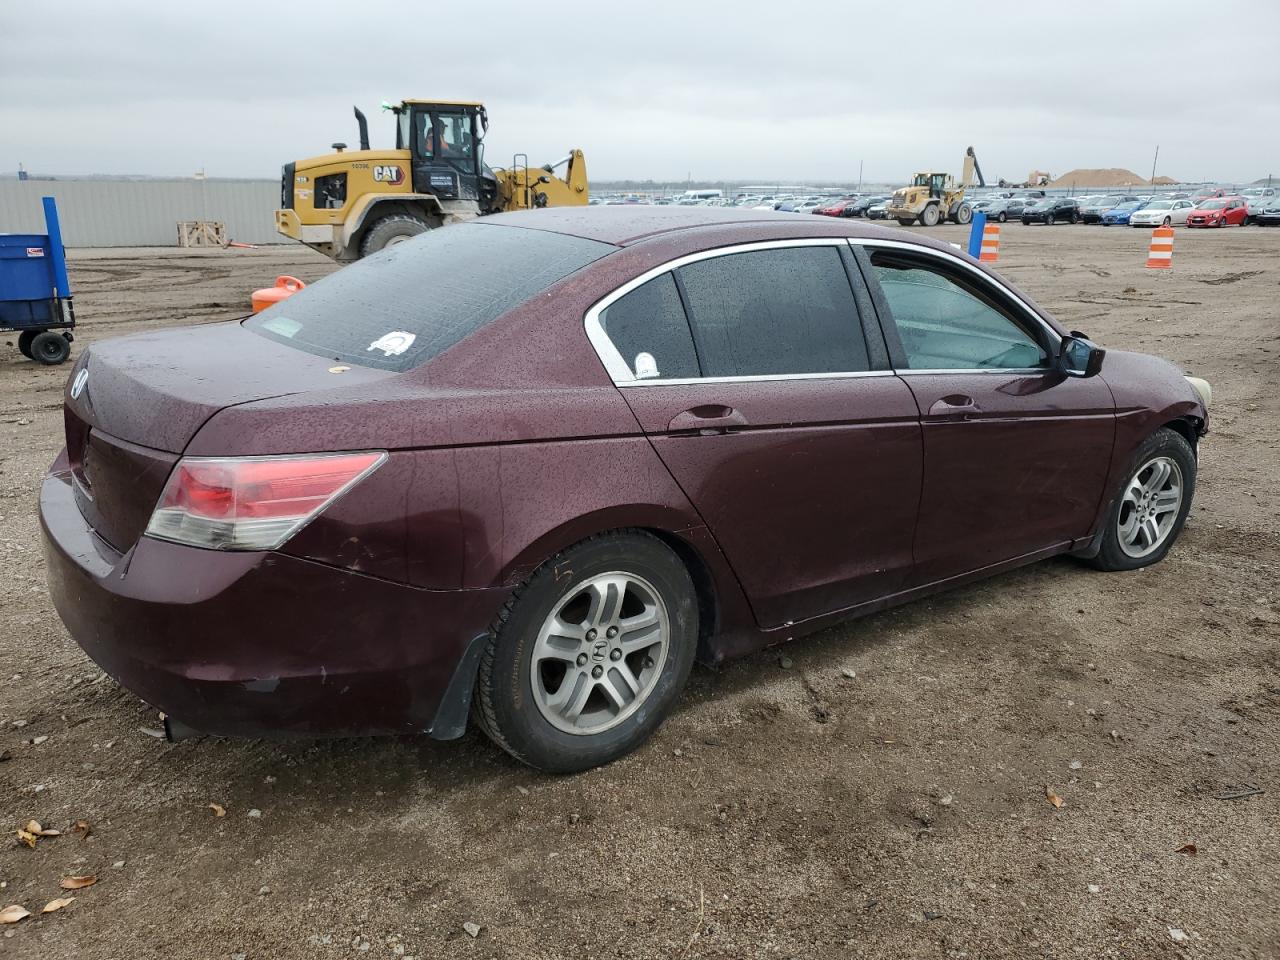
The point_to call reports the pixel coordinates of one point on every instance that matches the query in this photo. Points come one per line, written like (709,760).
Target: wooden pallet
(201,233)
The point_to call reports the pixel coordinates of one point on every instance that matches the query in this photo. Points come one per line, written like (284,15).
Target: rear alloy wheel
(1148,515)
(24,342)
(929,215)
(582,668)
(50,348)
(390,230)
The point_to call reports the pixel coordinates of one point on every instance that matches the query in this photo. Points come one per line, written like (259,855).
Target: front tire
(390,230)
(1002,217)
(964,213)
(590,654)
(929,215)
(1148,515)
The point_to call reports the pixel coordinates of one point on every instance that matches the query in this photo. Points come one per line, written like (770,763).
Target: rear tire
(50,348)
(390,230)
(1138,504)
(546,637)
(24,342)
(929,215)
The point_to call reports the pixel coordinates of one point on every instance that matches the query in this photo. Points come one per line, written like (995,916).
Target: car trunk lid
(133,405)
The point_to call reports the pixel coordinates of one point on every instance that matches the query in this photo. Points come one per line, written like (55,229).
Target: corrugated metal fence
(141,213)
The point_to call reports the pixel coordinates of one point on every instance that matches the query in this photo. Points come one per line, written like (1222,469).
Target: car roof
(625,225)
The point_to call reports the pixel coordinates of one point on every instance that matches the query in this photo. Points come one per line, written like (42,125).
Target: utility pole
(859,176)
(1153,165)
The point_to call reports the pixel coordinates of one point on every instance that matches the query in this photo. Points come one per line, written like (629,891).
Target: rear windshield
(411,302)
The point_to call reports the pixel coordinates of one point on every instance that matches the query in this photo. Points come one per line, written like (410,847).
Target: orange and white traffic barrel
(1160,255)
(990,251)
(285,287)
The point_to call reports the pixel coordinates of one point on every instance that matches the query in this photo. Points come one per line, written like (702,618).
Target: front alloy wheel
(1149,507)
(1146,517)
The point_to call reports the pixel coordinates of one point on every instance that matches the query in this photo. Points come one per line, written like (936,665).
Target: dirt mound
(1099,177)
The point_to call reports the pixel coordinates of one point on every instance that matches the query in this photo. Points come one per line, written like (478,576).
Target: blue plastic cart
(35,295)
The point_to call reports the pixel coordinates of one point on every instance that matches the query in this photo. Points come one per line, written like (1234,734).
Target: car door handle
(708,419)
(954,405)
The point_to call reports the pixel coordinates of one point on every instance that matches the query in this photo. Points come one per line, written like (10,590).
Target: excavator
(352,203)
(933,197)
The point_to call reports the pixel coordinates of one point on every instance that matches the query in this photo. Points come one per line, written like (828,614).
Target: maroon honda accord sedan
(529,468)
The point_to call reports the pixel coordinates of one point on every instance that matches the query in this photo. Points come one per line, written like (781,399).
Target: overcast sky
(761,91)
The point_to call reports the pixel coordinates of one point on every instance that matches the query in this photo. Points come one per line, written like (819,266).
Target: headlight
(1202,387)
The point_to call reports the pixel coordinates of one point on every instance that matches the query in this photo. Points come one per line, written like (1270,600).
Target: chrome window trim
(620,371)
(756,378)
(1055,338)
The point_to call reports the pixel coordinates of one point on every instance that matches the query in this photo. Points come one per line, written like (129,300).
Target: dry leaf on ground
(27,837)
(54,905)
(1188,848)
(82,827)
(1052,797)
(13,914)
(75,883)
(218,809)
(33,826)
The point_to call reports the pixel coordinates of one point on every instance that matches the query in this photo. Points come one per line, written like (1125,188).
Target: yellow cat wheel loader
(351,203)
(934,197)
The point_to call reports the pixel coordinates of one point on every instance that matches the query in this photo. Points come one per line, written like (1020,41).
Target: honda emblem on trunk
(77,385)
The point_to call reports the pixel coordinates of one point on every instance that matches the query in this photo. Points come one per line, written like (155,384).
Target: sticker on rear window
(282,326)
(393,344)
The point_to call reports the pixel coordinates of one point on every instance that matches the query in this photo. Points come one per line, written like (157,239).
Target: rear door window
(411,302)
(788,310)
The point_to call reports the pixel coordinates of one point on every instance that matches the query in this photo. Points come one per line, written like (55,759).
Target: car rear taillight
(252,503)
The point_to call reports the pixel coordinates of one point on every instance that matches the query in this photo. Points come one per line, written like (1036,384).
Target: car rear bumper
(248,644)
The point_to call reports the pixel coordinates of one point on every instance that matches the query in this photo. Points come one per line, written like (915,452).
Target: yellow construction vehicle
(351,203)
(934,197)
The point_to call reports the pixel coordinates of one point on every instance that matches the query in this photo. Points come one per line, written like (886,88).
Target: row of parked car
(1211,207)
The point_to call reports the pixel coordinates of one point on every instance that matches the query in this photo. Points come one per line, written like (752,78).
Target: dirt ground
(786,810)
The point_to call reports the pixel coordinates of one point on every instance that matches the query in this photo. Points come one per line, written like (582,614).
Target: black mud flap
(450,721)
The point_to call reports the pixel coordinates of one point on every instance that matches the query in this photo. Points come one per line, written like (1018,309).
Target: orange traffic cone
(990,251)
(1160,256)
(285,287)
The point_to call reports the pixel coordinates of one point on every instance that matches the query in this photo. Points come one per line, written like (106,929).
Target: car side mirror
(1079,356)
